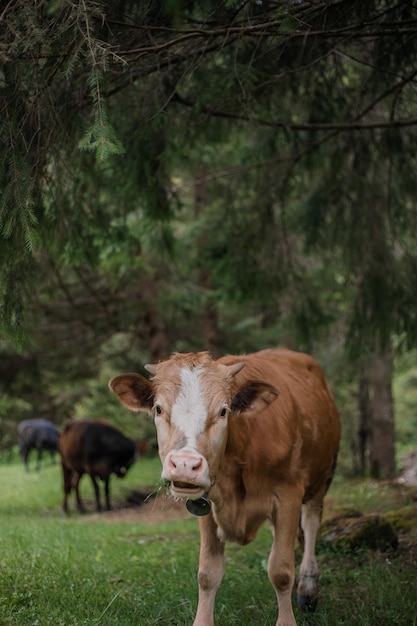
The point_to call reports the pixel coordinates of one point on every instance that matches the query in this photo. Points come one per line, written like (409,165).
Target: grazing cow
(37,434)
(97,448)
(244,440)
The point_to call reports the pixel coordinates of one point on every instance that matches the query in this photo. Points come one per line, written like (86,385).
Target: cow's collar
(199,507)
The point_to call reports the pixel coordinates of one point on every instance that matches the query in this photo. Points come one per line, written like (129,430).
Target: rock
(403,520)
(409,473)
(138,498)
(367,531)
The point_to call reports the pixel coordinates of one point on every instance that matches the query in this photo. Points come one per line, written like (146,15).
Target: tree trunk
(210,319)
(364,406)
(153,327)
(382,437)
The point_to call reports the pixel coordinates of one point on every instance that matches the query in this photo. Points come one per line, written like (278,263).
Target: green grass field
(122,571)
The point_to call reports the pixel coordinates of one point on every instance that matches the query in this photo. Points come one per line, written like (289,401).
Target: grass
(85,571)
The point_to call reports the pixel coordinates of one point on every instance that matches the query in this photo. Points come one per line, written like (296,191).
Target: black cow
(37,434)
(96,448)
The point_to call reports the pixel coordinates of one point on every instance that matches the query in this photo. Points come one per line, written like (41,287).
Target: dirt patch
(154,510)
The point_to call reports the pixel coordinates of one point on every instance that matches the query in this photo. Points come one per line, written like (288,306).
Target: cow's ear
(134,391)
(253,397)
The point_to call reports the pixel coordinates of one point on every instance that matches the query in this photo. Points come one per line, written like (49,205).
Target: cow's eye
(223,412)
(158,410)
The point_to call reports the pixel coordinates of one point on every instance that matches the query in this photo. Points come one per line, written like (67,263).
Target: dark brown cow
(244,440)
(97,448)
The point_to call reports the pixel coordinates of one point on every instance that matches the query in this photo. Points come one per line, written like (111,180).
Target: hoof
(307,604)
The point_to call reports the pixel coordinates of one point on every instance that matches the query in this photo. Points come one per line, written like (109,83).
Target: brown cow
(244,440)
(96,448)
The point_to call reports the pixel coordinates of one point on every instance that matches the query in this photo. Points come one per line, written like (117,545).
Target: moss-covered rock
(366,531)
(341,512)
(403,520)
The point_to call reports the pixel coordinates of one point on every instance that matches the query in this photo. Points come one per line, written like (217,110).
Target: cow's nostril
(197,465)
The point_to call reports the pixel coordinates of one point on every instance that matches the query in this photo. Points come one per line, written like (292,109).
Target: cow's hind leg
(308,586)
(67,473)
(39,459)
(76,484)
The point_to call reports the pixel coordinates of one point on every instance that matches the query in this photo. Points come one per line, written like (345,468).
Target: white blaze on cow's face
(189,412)
(191,432)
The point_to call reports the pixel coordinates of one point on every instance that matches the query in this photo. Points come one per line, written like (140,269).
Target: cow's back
(38,432)
(83,442)
(104,439)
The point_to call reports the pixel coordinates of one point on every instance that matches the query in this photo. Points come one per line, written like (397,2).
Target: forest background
(222,176)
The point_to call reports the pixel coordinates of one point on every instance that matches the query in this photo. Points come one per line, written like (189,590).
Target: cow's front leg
(96,492)
(210,570)
(281,564)
(107,492)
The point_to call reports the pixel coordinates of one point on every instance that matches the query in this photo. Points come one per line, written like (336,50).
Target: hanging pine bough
(101,138)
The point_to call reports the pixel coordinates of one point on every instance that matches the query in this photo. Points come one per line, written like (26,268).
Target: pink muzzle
(188,473)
